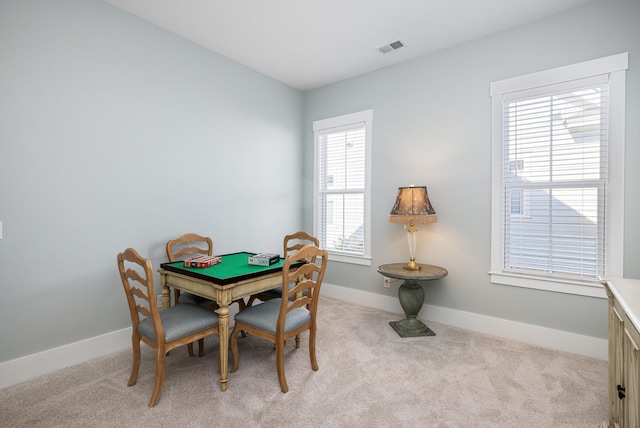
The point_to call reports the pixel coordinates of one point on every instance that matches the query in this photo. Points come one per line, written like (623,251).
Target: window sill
(557,285)
(356,260)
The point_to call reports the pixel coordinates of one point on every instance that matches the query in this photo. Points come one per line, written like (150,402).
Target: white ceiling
(311,43)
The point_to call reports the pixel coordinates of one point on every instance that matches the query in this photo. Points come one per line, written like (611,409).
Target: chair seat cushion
(180,321)
(194,299)
(265,317)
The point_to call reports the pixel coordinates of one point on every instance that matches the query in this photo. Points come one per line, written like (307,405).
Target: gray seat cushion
(265,317)
(180,321)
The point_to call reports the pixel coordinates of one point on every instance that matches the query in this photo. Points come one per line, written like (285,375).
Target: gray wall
(115,133)
(432,126)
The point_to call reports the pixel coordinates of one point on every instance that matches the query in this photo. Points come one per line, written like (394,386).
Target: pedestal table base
(411,327)
(411,296)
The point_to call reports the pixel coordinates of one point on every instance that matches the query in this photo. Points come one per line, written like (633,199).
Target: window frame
(365,117)
(615,67)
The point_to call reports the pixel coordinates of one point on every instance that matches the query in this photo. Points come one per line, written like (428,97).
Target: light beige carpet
(368,377)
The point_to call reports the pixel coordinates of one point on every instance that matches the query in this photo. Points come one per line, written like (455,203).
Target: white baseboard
(34,365)
(31,366)
(527,333)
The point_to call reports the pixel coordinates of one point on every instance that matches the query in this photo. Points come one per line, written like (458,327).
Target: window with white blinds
(341,210)
(554,174)
(552,181)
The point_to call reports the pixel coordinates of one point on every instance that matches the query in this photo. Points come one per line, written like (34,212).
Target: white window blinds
(341,188)
(554,179)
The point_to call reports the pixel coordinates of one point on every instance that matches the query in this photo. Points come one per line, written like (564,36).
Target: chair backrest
(307,278)
(296,241)
(189,244)
(136,274)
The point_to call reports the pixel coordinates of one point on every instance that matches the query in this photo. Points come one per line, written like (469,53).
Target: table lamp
(412,207)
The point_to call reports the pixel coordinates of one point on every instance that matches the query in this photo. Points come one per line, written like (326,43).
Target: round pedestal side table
(411,295)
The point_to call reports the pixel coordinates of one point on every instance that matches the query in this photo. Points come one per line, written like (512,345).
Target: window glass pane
(561,235)
(557,137)
(345,159)
(345,233)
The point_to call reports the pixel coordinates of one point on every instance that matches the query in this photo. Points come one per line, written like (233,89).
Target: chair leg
(190,349)
(135,341)
(250,301)
(280,366)
(159,376)
(297,341)
(200,347)
(241,307)
(233,344)
(312,348)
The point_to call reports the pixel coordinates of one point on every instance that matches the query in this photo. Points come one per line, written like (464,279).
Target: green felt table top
(234,267)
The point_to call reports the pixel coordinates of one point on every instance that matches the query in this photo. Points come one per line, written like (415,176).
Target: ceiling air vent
(385,49)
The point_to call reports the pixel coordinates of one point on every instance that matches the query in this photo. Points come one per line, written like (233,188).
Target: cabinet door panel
(624,352)
(631,353)
(616,363)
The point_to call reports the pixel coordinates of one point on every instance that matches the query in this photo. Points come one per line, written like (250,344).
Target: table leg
(411,295)
(223,331)
(166,294)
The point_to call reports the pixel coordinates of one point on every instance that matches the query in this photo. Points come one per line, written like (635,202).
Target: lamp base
(411,327)
(412,265)
(411,296)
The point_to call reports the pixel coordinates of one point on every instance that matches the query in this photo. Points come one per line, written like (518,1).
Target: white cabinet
(624,352)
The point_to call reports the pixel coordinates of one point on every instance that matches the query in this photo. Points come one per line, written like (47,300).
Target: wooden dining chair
(291,243)
(162,330)
(184,247)
(295,312)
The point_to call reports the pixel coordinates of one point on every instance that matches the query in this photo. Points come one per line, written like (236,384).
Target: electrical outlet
(387,282)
